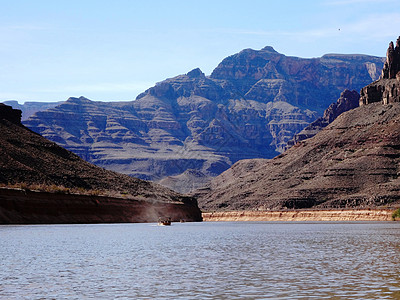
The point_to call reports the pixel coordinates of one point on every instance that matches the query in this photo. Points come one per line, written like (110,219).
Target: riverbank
(302,215)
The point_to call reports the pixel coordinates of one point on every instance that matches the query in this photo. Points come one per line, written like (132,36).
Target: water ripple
(201,261)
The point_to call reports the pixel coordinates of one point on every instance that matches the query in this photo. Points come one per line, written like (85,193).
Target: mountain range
(190,128)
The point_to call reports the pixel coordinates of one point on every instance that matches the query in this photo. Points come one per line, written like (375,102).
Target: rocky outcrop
(387,88)
(249,107)
(383,91)
(31,161)
(348,100)
(10,114)
(352,163)
(392,65)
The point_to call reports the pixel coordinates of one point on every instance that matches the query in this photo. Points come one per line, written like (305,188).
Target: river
(209,260)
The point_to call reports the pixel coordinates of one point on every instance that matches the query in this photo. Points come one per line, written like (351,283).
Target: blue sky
(113,50)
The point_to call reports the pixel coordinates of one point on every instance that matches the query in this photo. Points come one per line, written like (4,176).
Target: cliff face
(250,107)
(353,162)
(31,160)
(387,88)
(347,101)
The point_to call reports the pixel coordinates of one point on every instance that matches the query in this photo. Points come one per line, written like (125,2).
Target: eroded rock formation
(392,65)
(387,88)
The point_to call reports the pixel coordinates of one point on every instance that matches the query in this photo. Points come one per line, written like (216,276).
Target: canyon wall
(187,129)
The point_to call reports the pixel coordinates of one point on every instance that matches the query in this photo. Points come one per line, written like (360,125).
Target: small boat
(164,221)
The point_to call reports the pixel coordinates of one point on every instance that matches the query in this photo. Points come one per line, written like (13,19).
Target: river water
(226,260)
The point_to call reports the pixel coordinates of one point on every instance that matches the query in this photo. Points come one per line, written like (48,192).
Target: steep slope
(29,160)
(250,106)
(353,162)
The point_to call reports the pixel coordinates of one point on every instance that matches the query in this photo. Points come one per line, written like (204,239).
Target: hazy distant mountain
(31,107)
(249,107)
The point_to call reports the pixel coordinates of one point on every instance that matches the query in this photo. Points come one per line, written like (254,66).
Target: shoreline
(301,215)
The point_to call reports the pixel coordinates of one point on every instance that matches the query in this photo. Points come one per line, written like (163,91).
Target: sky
(114,50)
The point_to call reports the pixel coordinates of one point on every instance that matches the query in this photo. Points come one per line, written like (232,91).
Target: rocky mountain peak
(269,49)
(196,73)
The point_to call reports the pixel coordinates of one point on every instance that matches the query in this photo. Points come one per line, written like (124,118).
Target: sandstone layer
(353,162)
(302,215)
(249,107)
(27,159)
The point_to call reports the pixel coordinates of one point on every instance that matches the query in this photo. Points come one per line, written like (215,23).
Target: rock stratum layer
(352,163)
(28,159)
(301,215)
(194,125)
